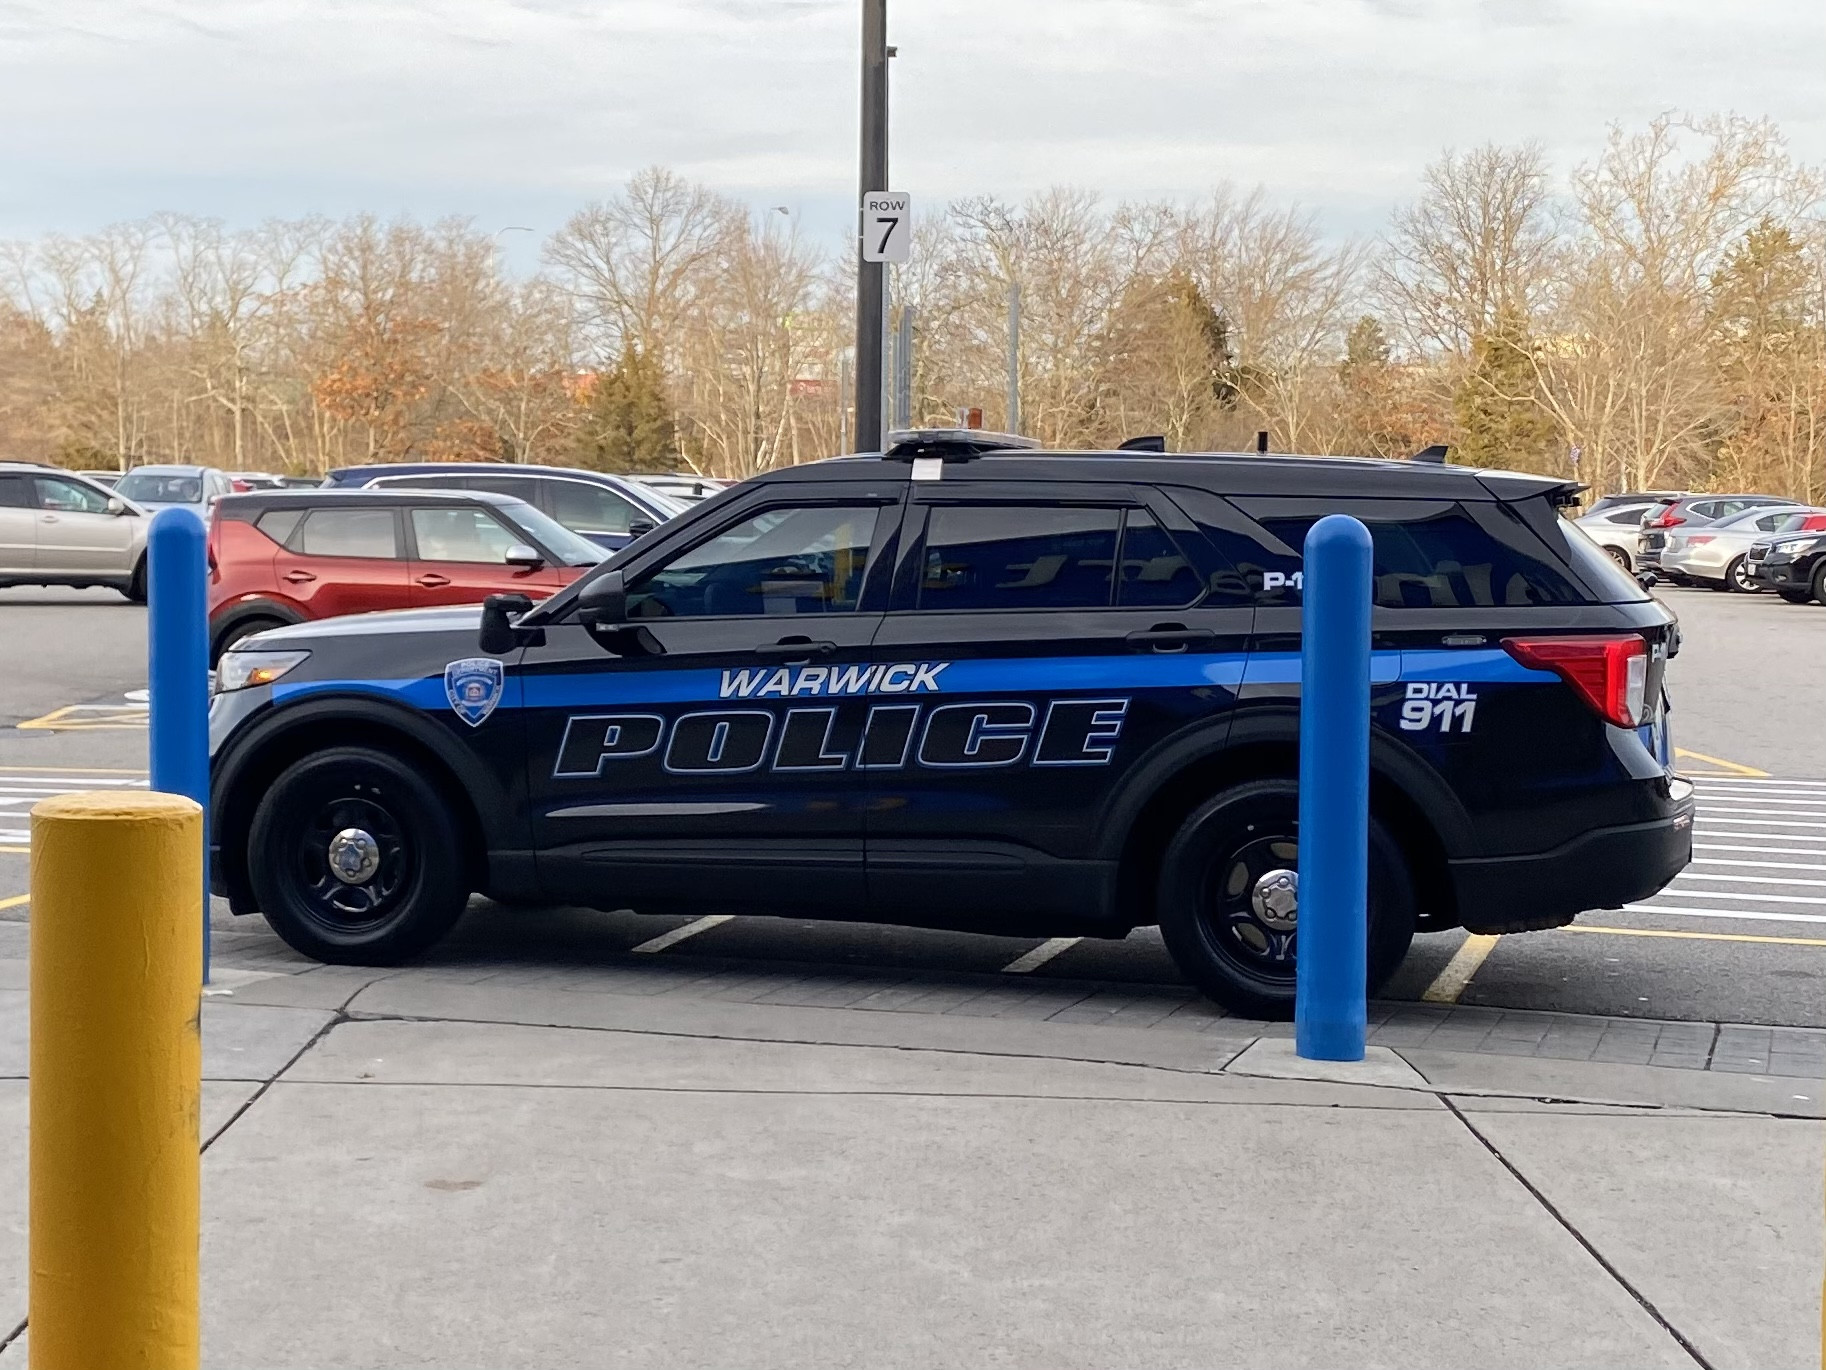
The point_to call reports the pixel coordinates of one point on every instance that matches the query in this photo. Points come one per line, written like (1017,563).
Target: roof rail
(951,444)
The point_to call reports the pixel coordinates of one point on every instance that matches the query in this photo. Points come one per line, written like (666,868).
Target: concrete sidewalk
(455,1167)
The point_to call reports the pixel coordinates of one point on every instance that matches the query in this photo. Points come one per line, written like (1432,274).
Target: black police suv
(969,684)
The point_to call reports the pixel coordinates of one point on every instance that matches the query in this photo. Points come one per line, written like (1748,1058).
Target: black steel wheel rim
(341,906)
(1226,902)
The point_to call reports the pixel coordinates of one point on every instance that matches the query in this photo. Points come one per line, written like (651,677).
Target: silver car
(59,528)
(158,487)
(1714,553)
(1617,528)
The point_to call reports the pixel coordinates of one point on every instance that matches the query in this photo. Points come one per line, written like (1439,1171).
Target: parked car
(686,489)
(60,528)
(159,487)
(287,556)
(1644,497)
(1689,512)
(1715,554)
(1791,564)
(610,511)
(1617,528)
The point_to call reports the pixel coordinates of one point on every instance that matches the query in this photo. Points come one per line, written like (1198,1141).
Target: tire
(1621,557)
(416,889)
(1208,917)
(136,583)
(1737,576)
(245,627)
(1819,583)
(1795,596)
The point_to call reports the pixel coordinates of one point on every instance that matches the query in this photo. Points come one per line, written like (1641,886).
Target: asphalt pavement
(1737,939)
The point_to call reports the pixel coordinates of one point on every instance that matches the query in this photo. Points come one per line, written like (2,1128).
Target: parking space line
(1753,879)
(1678,893)
(1745,915)
(1735,767)
(1756,865)
(14,901)
(677,935)
(17,851)
(1040,955)
(1698,936)
(69,770)
(1780,851)
(1451,981)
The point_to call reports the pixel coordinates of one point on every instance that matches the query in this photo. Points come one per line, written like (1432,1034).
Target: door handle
(299,577)
(794,649)
(431,580)
(48,518)
(1170,637)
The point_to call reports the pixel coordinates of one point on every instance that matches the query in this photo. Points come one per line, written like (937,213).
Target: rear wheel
(136,584)
(1229,899)
(1618,555)
(1738,577)
(355,859)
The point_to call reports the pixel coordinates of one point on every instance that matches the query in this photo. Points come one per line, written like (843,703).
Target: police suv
(969,684)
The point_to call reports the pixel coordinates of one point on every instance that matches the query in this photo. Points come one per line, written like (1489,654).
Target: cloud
(521,108)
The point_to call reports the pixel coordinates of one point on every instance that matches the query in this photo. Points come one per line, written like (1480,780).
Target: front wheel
(1819,583)
(136,583)
(1621,557)
(355,859)
(1738,578)
(1229,899)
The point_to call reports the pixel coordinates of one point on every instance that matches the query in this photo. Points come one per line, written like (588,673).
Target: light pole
(871,321)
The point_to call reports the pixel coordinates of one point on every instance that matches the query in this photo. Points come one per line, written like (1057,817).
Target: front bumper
(1601,869)
(1780,575)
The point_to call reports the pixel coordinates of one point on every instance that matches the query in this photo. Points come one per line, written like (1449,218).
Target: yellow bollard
(117,963)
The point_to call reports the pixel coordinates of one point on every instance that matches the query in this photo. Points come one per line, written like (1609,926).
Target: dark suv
(972,685)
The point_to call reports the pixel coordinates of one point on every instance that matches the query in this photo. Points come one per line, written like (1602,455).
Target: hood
(388,623)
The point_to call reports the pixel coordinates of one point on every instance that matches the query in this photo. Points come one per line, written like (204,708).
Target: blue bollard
(1330,974)
(177,636)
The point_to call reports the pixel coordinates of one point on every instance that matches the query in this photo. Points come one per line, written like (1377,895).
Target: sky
(516,112)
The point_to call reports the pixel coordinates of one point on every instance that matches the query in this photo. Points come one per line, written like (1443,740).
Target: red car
(284,556)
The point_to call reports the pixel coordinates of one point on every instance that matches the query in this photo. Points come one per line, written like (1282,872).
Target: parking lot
(1738,938)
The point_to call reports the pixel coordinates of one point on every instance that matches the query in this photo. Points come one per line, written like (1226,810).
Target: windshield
(161,487)
(573,549)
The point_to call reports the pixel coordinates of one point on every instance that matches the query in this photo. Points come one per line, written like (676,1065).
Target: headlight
(240,670)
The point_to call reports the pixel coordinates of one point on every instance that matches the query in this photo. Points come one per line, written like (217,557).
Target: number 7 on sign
(887,226)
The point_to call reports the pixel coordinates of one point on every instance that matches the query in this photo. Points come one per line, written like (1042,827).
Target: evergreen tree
(1499,421)
(628,424)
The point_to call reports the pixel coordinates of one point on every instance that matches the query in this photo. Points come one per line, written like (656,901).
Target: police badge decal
(473,686)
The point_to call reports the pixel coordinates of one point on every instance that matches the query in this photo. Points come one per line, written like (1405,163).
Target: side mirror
(116,505)
(498,635)
(603,603)
(524,557)
(1647,579)
(639,528)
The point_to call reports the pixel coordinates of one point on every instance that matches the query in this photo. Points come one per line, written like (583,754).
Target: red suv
(284,556)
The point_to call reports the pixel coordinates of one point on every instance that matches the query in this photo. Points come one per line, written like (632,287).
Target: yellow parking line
(1698,936)
(1734,767)
(15,901)
(1451,982)
(21,851)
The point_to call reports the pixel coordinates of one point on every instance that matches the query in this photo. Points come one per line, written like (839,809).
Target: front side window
(347,533)
(1013,557)
(461,535)
(791,561)
(154,487)
(592,509)
(67,496)
(1155,573)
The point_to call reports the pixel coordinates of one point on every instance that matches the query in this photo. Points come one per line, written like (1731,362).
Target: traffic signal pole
(871,319)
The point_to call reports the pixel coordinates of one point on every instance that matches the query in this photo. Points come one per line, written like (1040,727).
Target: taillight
(1694,539)
(1609,673)
(1667,520)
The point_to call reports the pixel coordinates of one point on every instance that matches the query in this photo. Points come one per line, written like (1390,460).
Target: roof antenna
(1434,455)
(1152,442)
(1261,443)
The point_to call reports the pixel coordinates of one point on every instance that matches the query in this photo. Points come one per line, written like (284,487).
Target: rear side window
(13,494)
(1013,557)
(279,524)
(587,509)
(347,533)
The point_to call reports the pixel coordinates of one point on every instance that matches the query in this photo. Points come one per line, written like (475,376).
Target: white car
(1714,554)
(1616,528)
(59,528)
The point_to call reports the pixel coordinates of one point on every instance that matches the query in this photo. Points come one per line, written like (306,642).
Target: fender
(243,609)
(1248,726)
(500,816)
